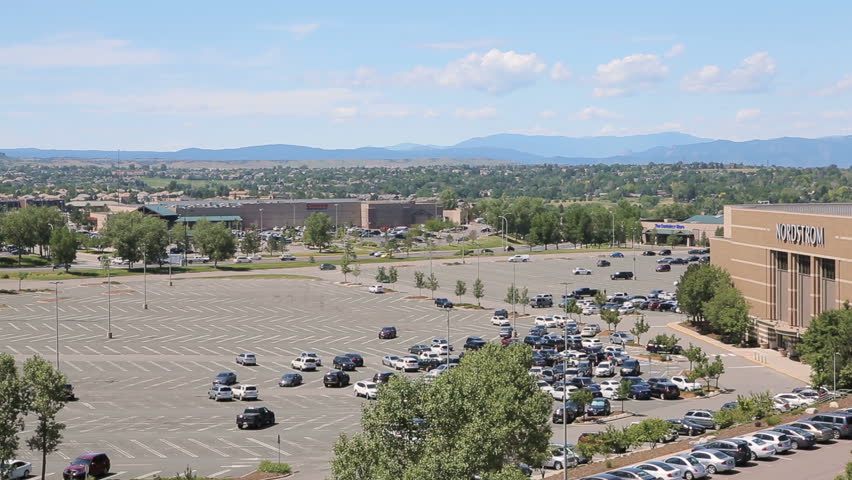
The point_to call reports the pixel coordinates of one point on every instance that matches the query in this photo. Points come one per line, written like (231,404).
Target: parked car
(689,466)
(442,302)
(500,321)
(245,392)
(649,253)
(684,384)
(376,289)
(327,266)
(602,263)
(15,469)
(89,464)
(621,276)
(714,461)
(559,457)
(290,380)
(736,448)
(800,438)
(581,271)
(572,413)
(632,473)
(313,355)
(519,258)
(303,364)
(821,432)
(640,391)
(287,258)
(760,449)
(620,338)
(255,417)
(781,441)
(599,407)
(701,416)
(663,267)
(661,470)
(685,427)
(225,378)
(387,333)
(69,392)
(839,422)
(382,377)
(419,348)
(342,362)
(474,343)
(630,368)
(616,255)
(242,259)
(220,393)
(665,390)
(246,359)
(368,390)
(335,378)
(605,369)
(795,400)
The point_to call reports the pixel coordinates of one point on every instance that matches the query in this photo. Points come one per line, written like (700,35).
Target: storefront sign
(666,225)
(801,234)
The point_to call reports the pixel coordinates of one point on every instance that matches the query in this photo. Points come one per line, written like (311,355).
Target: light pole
(506,227)
(56,302)
(635,274)
(514,300)
(612,244)
(145,280)
(170,259)
(261,220)
(448,339)
(337,223)
(109,300)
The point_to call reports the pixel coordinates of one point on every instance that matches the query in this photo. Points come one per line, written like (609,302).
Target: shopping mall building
(790,261)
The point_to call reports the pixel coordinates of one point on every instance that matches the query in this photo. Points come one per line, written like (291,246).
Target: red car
(387,333)
(94,464)
(664,267)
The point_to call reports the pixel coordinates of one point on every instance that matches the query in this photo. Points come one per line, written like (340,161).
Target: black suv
(335,378)
(603,263)
(621,276)
(665,251)
(387,333)
(573,410)
(343,362)
(382,377)
(586,292)
(474,343)
(428,364)
(665,390)
(443,303)
(630,368)
(734,447)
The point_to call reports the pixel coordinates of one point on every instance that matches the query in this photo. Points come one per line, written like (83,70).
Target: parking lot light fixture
(448,339)
(144,282)
(56,304)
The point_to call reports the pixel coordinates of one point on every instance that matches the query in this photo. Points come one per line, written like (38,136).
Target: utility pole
(145,281)
(506,227)
(170,259)
(109,300)
(261,220)
(448,339)
(56,302)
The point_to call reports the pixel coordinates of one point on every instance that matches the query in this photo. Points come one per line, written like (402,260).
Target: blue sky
(170,75)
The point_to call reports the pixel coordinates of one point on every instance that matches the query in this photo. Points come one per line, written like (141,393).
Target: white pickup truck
(197,259)
(245,392)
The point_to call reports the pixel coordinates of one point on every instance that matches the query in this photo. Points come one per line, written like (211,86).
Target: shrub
(311,259)
(773,420)
(273,467)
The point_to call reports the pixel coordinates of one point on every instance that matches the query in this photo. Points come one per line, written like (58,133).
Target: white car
(501,321)
(245,392)
(407,364)
(390,360)
(535,371)
(591,310)
(304,364)
(561,320)
(14,469)
(519,258)
(376,289)
(626,310)
(559,392)
(246,359)
(368,390)
(441,349)
(759,447)
(242,259)
(613,348)
(312,355)
(545,321)
(256,257)
(794,399)
(581,271)
(604,369)
(591,342)
(429,356)
(617,294)
(684,384)
(544,387)
(609,392)
(588,332)
(610,383)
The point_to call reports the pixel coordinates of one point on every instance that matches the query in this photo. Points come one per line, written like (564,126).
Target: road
(143,393)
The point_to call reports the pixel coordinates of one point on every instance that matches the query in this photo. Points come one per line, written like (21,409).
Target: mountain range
(667,147)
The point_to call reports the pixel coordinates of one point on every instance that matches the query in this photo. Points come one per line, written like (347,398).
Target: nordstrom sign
(801,234)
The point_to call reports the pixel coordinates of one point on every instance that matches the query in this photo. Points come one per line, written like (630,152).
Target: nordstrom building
(790,261)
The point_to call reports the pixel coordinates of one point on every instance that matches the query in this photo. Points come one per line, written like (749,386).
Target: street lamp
(109,299)
(145,280)
(514,300)
(56,302)
(506,227)
(336,217)
(170,259)
(448,339)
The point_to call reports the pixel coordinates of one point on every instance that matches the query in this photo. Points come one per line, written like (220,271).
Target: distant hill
(670,147)
(588,147)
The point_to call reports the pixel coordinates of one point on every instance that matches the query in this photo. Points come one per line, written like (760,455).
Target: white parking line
(212,475)
(149,449)
(179,448)
(113,475)
(119,450)
(202,445)
(266,445)
(140,477)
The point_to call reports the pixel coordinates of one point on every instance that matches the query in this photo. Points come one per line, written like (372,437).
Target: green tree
(432,283)
(13,407)
(122,232)
(454,414)
(512,296)
(214,240)
(478,291)
(250,243)
(600,297)
(847,473)
(461,289)
(392,246)
(716,369)
(698,285)
(623,392)
(664,340)
(828,333)
(618,440)
(43,220)
(544,228)
(154,236)
(47,388)
(63,247)
(21,277)
(727,314)
(694,354)
(318,231)
(345,266)
(640,327)
(610,318)
(419,282)
(356,271)
(17,229)
(524,298)
(448,199)
(582,398)
(381,275)
(408,242)
(652,430)
(273,245)
(393,275)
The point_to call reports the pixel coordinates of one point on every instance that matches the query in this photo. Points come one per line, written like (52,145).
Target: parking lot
(143,394)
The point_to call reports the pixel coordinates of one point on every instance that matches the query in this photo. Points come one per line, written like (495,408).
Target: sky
(159,75)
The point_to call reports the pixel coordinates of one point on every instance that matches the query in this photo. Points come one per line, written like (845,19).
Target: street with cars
(307,353)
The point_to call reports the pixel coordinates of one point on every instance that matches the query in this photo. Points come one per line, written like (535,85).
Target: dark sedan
(685,427)
(474,343)
(640,391)
(342,362)
(356,358)
(290,380)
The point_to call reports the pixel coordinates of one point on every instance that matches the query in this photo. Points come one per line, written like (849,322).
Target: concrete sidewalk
(762,356)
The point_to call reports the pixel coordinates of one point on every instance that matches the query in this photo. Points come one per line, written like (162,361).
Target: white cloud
(547,114)
(74,51)
(560,72)
(343,114)
(493,72)
(747,114)
(298,30)
(754,74)
(676,50)
(597,113)
(621,131)
(626,76)
(317,102)
(836,115)
(842,85)
(430,113)
(475,114)
(459,45)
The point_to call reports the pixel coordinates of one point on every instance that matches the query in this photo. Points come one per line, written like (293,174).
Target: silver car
(661,470)
(556,459)
(822,434)
(689,466)
(714,461)
(780,441)
(760,449)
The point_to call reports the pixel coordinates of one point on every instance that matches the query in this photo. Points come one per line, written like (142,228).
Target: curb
(686,331)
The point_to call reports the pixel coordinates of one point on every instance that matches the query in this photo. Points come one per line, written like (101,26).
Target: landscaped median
(685,444)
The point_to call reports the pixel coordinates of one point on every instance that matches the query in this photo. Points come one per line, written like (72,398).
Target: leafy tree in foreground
(455,427)
(63,246)
(698,285)
(13,407)
(432,283)
(393,275)
(47,387)
(610,318)
(828,333)
(524,298)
